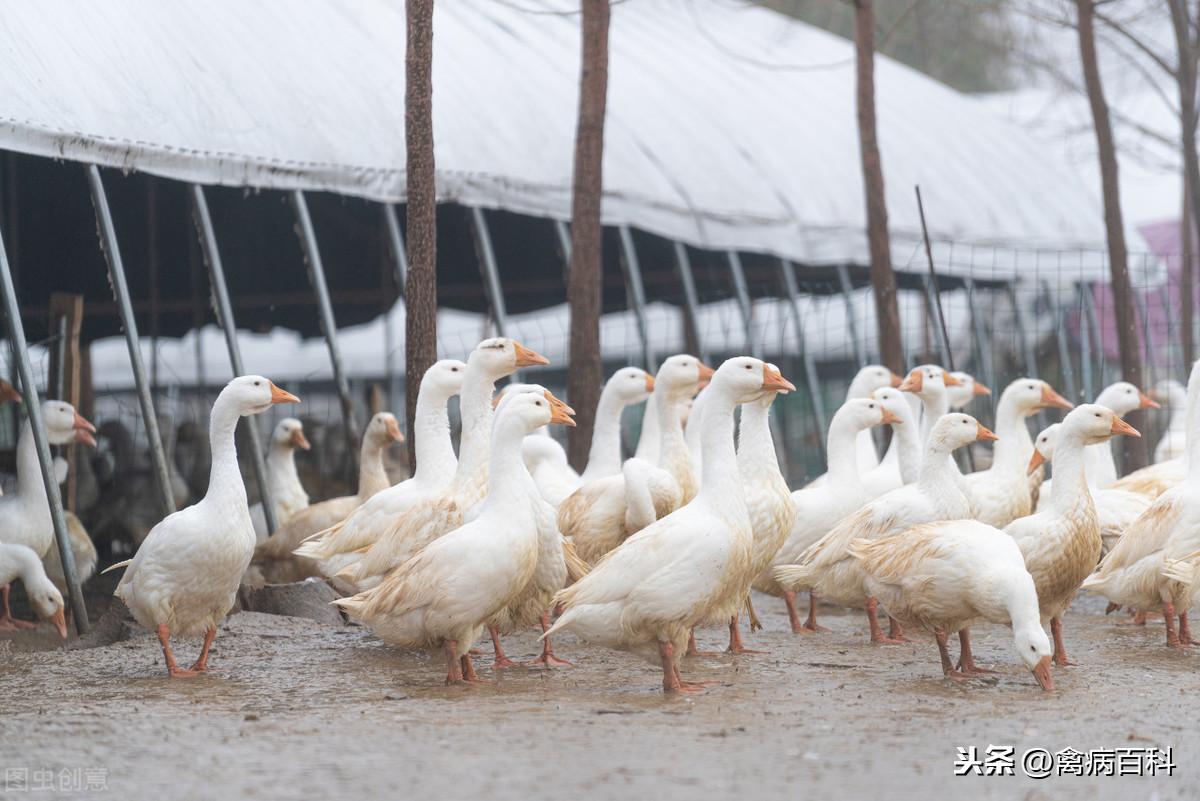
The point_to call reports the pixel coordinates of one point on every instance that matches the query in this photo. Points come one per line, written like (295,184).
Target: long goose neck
(755,445)
(29,469)
(936,473)
(907,443)
(933,406)
(843,460)
(371,476)
(475,405)
(604,455)
(224,476)
(1070,483)
(648,440)
(1015,445)
(672,447)
(281,466)
(720,482)
(431,424)
(508,478)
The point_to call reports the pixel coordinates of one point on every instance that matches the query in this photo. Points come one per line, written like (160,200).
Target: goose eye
(1097,414)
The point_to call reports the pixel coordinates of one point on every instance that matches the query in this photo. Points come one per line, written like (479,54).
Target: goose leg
(689,686)
(1060,650)
(7,621)
(468,671)
(735,640)
(755,623)
(944,653)
(692,650)
(548,658)
(1185,631)
(896,630)
(1137,618)
(877,635)
(966,660)
(666,652)
(789,598)
(1173,638)
(501,661)
(454,674)
(173,669)
(811,623)
(201,665)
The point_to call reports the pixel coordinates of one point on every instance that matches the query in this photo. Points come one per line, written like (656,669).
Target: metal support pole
(810,368)
(1019,318)
(943,343)
(742,292)
(564,245)
(396,245)
(316,276)
(216,275)
(116,276)
(58,381)
(691,298)
(860,351)
(489,269)
(16,335)
(1085,345)
(637,293)
(1092,321)
(1064,349)
(986,364)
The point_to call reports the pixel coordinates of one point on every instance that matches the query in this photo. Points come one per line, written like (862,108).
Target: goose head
(1033,648)
(445,377)
(1043,446)
(253,394)
(1171,393)
(1031,395)
(529,411)
(631,385)
(871,378)
(894,401)
(289,434)
(501,356)
(1123,398)
(680,377)
(46,600)
(65,425)
(956,429)
(1091,423)
(384,429)
(8,393)
(746,378)
(927,382)
(967,390)
(512,390)
(863,413)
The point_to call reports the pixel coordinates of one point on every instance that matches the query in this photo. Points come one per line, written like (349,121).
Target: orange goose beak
(559,411)
(1035,461)
(914,382)
(774,381)
(300,441)
(393,430)
(1052,398)
(1119,426)
(281,395)
(527,357)
(984,434)
(1147,402)
(1041,672)
(84,430)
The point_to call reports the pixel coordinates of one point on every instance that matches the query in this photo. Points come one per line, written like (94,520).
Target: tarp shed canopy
(728,126)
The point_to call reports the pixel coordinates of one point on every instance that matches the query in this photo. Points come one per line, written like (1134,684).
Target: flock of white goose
(634,554)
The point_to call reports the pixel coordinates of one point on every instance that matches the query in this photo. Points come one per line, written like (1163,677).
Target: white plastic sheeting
(728,126)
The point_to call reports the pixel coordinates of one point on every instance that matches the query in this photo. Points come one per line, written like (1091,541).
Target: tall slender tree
(420,297)
(1118,255)
(883,278)
(1187,48)
(584,281)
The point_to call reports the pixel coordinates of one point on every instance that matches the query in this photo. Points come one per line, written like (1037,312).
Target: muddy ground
(302,709)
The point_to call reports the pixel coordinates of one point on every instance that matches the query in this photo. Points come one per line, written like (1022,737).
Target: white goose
(25,514)
(902,462)
(1174,440)
(1001,494)
(602,513)
(1062,545)
(390,517)
(864,383)
(1115,509)
(692,565)
(627,386)
(1138,570)
(819,508)
(442,596)
(20,562)
(827,568)
(287,493)
(965,390)
(184,578)
(274,557)
(544,456)
(772,513)
(943,577)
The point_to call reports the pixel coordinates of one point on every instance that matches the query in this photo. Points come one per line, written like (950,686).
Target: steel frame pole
(742,293)
(691,299)
(790,285)
(1085,345)
(16,335)
(1064,350)
(860,351)
(224,310)
(637,293)
(1019,319)
(943,344)
(396,244)
(1093,323)
(316,277)
(563,233)
(489,269)
(116,276)
(986,364)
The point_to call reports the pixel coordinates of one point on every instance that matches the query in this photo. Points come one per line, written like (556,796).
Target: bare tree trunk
(883,278)
(420,296)
(584,283)
(1118,257)
(1185,76)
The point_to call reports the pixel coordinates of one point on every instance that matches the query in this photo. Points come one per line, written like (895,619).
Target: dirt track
(309,710)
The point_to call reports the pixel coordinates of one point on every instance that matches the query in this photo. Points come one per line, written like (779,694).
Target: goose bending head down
(19,561)
(184,578)
(693,565)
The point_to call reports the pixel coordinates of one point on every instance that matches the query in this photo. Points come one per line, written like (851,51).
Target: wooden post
(69,308)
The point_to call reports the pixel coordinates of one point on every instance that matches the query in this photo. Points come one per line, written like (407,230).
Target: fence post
(637,293)
(860,351)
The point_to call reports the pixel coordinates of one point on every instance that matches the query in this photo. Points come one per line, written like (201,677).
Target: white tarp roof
(728,125)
